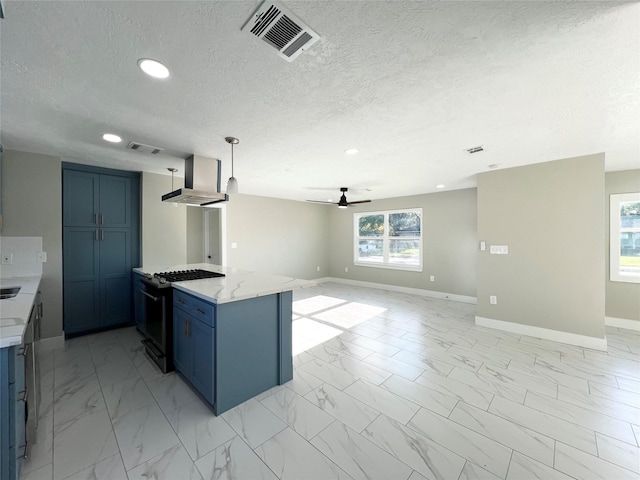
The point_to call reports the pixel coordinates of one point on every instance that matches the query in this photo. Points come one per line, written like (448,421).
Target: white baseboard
(397,288)
(622,323)
(47,344)
(545,333)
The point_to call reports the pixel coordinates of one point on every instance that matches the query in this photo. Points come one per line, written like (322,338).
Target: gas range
(164,279)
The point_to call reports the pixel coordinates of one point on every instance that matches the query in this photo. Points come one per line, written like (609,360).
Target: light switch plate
(234,245)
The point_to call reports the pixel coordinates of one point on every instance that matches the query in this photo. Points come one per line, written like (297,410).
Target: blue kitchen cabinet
(193,345)
(202,376)
(13,410)
(138,301)
(233,351)
(101,245)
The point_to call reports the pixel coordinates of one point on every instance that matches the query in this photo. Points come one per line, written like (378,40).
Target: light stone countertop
(14,312)
(236,285)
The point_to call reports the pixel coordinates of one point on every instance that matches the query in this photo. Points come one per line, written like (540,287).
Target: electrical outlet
(234,245)
(41,257)
(346,269)
(317,269)
(493,300)
(432,278)
(7,258)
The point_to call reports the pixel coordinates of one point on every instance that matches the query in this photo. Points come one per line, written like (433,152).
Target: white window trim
(615,200)
(385,241)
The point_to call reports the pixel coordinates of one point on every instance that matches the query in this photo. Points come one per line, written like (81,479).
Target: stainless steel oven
(158,308)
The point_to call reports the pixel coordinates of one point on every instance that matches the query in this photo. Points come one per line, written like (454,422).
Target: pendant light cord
(232,159)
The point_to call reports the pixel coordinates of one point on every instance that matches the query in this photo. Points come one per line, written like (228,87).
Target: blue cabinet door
(182,355)
(115,201)
(201,336)
(80,198)
(81,279)
(115,276)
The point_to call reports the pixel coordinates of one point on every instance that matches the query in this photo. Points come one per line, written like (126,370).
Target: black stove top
(165,278)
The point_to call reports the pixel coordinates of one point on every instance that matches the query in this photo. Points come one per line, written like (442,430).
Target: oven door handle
(155,299)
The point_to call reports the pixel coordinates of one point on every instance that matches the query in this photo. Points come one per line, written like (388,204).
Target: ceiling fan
(343,200)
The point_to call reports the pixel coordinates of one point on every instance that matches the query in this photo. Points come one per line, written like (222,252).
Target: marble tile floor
(386,386)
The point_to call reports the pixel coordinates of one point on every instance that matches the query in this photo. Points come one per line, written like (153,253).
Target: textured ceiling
(411,84)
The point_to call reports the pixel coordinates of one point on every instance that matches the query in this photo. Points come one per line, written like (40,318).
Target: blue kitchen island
(232,335)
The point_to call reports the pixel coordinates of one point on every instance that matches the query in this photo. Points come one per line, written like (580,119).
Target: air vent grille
(141,147)
(280,29)
(473,150)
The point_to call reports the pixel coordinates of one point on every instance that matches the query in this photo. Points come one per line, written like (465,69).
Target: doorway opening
(215,235)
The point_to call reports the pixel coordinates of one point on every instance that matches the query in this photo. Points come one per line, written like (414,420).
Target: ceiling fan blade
(319,201)
(359,201)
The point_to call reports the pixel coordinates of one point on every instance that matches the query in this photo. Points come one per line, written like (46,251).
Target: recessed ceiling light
(351,151)
(153,68)
(110,137)
(493,165)
(440,186)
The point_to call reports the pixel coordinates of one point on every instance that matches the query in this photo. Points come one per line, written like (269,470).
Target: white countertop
(236,285)
(14,312)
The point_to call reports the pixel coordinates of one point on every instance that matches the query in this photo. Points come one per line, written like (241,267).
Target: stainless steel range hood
(201,183)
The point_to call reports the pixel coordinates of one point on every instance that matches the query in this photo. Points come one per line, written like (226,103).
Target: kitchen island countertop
(14,312)
(234,286)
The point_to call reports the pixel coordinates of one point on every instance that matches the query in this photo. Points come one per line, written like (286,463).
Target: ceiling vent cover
(280,29)
(141,147)
(477,149)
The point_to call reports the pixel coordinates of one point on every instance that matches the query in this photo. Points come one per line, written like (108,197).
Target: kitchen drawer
(203,311)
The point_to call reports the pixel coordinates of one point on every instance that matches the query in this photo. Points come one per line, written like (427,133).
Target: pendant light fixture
(232,184)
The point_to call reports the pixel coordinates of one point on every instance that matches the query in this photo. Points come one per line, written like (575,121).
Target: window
(391,239)
(624,239)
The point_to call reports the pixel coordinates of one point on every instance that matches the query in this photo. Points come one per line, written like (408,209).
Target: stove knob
(162,280)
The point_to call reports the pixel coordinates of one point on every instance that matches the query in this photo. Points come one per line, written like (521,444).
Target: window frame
(615,201)
(386,240)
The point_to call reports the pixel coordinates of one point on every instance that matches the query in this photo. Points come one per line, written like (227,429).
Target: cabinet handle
(25,446)
(102,231)
(181,301)
(96,234)
(24,393)
(200,311)
(25,350)
(41,309)
(186,330)
(96,218)
(101,219)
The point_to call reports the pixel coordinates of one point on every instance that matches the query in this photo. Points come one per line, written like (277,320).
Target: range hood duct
(201,183)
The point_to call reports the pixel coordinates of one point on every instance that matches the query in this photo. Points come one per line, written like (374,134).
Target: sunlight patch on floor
(315,304)
(350,315)
(308,333)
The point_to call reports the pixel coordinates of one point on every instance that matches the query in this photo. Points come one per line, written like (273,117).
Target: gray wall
(622,298)
(282,237)
(32,206)
(449,243)
(195,235)
(164,225)
(551,217)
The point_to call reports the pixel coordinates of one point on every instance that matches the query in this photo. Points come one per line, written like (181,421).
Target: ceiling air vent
(280,29)
(477,149)
(141,147)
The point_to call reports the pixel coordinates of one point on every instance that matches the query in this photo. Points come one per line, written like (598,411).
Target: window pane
(404,224)
(404,252)
(370,251)
(630,237)
(371,226)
